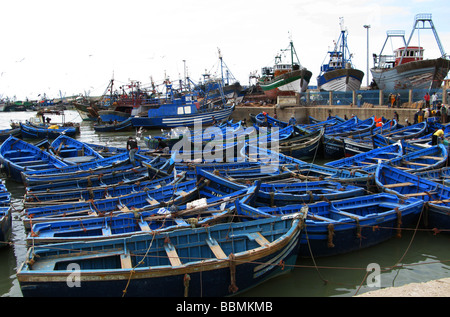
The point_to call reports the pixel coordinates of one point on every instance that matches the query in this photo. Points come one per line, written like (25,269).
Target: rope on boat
(233,287)
(186,280)
(330,229)
(399,221)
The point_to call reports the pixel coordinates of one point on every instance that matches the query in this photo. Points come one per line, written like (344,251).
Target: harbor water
(418,256)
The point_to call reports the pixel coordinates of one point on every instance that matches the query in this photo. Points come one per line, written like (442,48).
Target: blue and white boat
(73,151)
(215,261)
(436,195)
(30,131)
(181,111)
(17,156)
(339,74)
(5,225)
(346,225)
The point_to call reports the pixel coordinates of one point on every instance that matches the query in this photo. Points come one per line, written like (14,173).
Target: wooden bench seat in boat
(172,254)
(215,248)
(254,236)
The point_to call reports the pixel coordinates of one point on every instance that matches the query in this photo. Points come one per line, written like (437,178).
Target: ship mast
(424,17)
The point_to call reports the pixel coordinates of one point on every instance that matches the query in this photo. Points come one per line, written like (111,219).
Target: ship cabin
(412,54)
(336,62)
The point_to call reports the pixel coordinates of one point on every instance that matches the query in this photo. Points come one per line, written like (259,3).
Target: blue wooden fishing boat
(5,133)
(204,135)
(439,175)
(313,120)
(102,169)
(298,169)
(126,176)
(5,225)
(419,160)
(334,137)
(94,193)
(107,151)
(125,125)
(5,195)
(173,266)
(194,214)
(68,170)
(304,146)
(436,195)
(183,111)
(282,194)
(228,150)
(263,119)
(137,201)
(365,159)
(77,175)
(342,127)
(29,131)
(17,156)
(347,225)
(385,128)
(73,151)
(190,167)
(408,132)
(212,137)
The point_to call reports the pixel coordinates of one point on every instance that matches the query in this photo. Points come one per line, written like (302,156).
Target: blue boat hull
(326,241)
(18,156)
(31,132)
(125,125)
(221,260)
(5,226)
(404,184)
(347,225)
(172,121)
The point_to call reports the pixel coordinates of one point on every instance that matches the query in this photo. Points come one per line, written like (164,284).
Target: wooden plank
(125,261)
(417,194)
(437,158)
(398,185)
(152,201)
(260,239)
(106,231)
(172,254)
(439,201)
(215,248)
(144,226)
(418,164)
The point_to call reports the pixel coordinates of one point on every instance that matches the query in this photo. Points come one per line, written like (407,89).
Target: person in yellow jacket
(437,137)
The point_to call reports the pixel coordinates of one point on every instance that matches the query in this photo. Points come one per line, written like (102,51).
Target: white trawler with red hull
(407,68)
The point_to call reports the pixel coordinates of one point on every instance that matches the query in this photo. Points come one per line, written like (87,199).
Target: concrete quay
(302,113)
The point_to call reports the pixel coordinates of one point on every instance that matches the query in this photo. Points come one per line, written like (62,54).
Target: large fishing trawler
(407,68)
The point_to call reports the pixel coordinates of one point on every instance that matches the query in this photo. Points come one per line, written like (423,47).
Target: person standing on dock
(392,100)
(398,101)
(443,114)
(359,100)
(434,100)
(420,116)
(427,99)
(132,148)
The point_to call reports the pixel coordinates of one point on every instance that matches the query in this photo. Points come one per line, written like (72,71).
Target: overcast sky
(75,47)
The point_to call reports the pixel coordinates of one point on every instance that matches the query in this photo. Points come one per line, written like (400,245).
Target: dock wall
(321,112)
(320,104)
